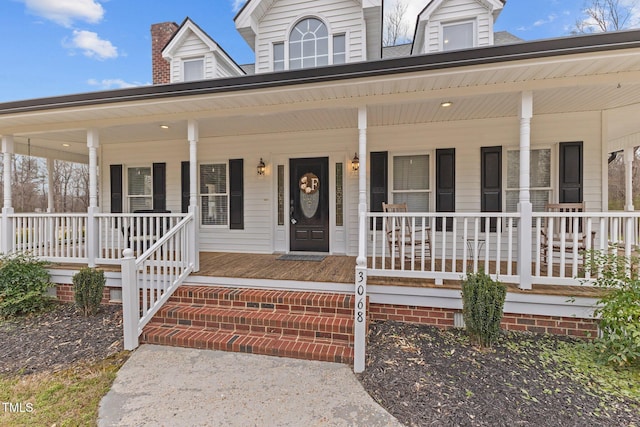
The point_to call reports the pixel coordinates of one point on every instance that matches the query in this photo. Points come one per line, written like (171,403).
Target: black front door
(309,204)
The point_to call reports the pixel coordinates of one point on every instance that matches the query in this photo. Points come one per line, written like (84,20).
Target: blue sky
(57,47)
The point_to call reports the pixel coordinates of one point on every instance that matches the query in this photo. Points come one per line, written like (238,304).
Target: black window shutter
(185,185)
(491,183)
(115,178)
(378,183)
(236,194)
(159,187)
(445,184)
(570,186)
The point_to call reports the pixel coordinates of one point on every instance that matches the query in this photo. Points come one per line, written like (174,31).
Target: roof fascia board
(543,49)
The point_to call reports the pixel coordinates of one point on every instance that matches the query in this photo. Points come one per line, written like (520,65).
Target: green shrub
(619,308)
(482,307)
(23,283)
(88,284)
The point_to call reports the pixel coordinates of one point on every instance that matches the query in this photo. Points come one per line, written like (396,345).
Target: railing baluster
(454,258)
(465,238)
(510,248)
(498,244)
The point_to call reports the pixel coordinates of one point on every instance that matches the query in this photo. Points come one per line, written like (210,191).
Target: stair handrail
(157,272)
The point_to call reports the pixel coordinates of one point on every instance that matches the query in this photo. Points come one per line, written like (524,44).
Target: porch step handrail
(149,280)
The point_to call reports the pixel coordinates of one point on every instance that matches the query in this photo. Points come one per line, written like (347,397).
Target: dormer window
(339,49)
(308,44)
(193,69)
(458,35)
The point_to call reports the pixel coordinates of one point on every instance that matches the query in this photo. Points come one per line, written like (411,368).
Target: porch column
(193,136)
(360,325)
(50,203)
(524,200)
(629,154)
(93,249)
(6,245)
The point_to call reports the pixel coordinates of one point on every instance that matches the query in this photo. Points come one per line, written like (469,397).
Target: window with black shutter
(159,187)
(570,173)
(378,183)
(491,183)
(185,186)
(445,184)
(115,181)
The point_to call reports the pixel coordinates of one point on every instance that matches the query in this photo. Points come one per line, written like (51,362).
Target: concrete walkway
(169,386)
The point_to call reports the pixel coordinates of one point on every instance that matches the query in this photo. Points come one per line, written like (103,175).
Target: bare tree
(396,27)
(606,15)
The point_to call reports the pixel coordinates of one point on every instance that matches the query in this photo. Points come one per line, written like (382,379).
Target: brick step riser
(311,350)
(280,308)
(289,300)
(335,328)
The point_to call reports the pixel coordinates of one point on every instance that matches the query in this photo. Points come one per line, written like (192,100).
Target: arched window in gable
(308,44)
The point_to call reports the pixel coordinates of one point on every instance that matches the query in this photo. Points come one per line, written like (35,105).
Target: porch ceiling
(585,82)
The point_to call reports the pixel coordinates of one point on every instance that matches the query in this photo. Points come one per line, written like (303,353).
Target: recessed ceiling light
(66,145)
(164,126)
(446,104)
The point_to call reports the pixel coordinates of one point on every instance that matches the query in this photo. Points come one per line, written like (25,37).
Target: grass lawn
(66,398)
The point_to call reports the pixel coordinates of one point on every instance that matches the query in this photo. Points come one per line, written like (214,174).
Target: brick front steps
(301,325)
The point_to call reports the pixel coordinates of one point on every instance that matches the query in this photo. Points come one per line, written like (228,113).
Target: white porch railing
(137,231)
(459,242)
(53,237)
(565,238)
(149,280)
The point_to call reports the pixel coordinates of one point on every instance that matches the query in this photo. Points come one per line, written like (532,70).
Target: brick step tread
(263,298)
(266,344)
(263,321)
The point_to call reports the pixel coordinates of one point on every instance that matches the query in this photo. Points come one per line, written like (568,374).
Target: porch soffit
(579,83)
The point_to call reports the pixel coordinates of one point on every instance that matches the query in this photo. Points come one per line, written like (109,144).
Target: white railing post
(8,234)
(524,205)
(360,326)
(91,238)
(130,300)
(92,235)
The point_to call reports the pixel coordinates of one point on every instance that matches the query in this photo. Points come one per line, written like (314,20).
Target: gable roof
(189,27)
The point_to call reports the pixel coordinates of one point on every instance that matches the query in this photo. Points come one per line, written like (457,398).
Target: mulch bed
(58,339)
(424,376)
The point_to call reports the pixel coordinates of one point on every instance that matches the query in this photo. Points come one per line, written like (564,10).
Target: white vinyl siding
(340,18)
(260,193)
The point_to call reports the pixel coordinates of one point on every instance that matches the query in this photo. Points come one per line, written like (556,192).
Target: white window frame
(226,193)
(474,32)
(346,44)
(126,185)
(195,59)
(552,174)
(330,35)
(429,191)
(285,60)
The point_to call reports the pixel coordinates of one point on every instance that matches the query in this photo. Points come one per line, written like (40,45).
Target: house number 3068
(360,297)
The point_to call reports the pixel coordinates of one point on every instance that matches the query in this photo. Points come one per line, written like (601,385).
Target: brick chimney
(160,36)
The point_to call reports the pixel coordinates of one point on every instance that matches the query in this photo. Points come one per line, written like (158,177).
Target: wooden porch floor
(333,268)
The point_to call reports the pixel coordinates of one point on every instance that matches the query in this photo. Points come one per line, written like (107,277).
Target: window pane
(416,202)
(339,56)
(140,203)
(539,168)
(139,182)
(308,43)
(339,196)
(539,198)
(280,194)
(213,179)
(411,172)
(457,36)
(278,56)
(214,210)
(513,169)
(193,70)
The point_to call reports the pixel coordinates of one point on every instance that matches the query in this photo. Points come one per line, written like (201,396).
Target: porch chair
(551,243)
(401,237)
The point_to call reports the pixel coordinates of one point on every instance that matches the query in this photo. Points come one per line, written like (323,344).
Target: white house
(477,132)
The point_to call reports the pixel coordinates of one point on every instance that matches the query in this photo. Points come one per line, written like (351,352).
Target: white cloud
(237,4)
(112,83)
(549,20)
(93,46)
(65,12)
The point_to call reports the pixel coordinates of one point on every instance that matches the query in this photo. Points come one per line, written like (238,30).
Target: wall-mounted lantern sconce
(355,163)
(261,167)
